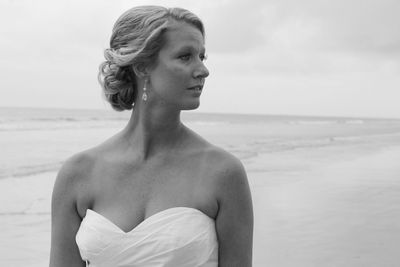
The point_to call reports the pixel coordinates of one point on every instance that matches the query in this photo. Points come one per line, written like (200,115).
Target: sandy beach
(327,195)
(344,213)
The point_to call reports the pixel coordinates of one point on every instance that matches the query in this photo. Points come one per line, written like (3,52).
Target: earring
(144,96)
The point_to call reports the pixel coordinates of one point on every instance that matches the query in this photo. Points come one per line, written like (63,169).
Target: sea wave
(326,122)
(28,170)
(209,123)
(50,124)
(354,122)
(280,145)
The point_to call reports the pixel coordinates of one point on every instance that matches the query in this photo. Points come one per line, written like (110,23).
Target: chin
(192,105)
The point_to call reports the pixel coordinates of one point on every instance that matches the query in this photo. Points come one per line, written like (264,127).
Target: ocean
(35,140)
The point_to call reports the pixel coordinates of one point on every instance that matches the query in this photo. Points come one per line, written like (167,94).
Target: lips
(196,88)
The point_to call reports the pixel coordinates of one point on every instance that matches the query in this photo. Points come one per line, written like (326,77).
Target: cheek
(176,76)
(178,71)
(171,77)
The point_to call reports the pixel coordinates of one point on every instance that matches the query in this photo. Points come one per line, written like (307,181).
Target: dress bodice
(178,236)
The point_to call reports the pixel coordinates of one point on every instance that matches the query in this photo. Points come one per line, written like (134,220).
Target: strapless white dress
(179,236)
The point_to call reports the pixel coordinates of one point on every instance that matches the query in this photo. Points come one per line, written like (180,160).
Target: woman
(156,193)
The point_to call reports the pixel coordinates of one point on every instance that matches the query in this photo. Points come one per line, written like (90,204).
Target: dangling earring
(144,96)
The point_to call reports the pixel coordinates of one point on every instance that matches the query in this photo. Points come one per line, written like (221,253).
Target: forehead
(181,34)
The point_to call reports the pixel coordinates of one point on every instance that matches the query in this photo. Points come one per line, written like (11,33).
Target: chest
(146,182)
(132,191)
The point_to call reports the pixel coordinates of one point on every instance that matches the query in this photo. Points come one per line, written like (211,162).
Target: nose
(201,71)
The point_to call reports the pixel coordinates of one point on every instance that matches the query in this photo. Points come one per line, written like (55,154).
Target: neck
(152,130)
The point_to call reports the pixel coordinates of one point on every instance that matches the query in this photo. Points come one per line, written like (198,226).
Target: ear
(140,70)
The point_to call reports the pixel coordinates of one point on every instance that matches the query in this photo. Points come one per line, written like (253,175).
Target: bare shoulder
(225,174)
(235,210)
(223,169)
(222,164)
(72,174)
(226,167)
(77,169)
(65,217)
(75,180)
(76,166)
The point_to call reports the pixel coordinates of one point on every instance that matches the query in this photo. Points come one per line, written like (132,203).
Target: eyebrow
(191,47)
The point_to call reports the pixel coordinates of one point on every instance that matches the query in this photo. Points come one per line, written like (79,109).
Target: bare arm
(65,220)
(234,222)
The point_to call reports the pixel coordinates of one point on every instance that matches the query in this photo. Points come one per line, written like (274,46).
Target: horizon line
(220,113)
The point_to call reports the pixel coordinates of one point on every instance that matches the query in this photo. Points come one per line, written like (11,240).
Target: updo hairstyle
(137,37)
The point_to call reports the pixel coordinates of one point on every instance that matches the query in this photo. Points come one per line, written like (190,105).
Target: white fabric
(178,236)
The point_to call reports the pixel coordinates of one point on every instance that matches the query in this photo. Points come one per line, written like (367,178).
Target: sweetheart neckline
(146,219)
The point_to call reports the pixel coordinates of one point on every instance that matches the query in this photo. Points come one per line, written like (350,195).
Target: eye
(185,57)
(203,57)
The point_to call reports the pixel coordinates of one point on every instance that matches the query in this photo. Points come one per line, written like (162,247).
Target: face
(177,78)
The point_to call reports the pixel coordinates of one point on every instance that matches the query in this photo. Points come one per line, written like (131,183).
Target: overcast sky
(309,57)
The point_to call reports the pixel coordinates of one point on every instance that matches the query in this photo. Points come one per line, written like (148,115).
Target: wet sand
(335,213)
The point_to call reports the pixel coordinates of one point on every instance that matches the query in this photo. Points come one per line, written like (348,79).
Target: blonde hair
(137,37)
